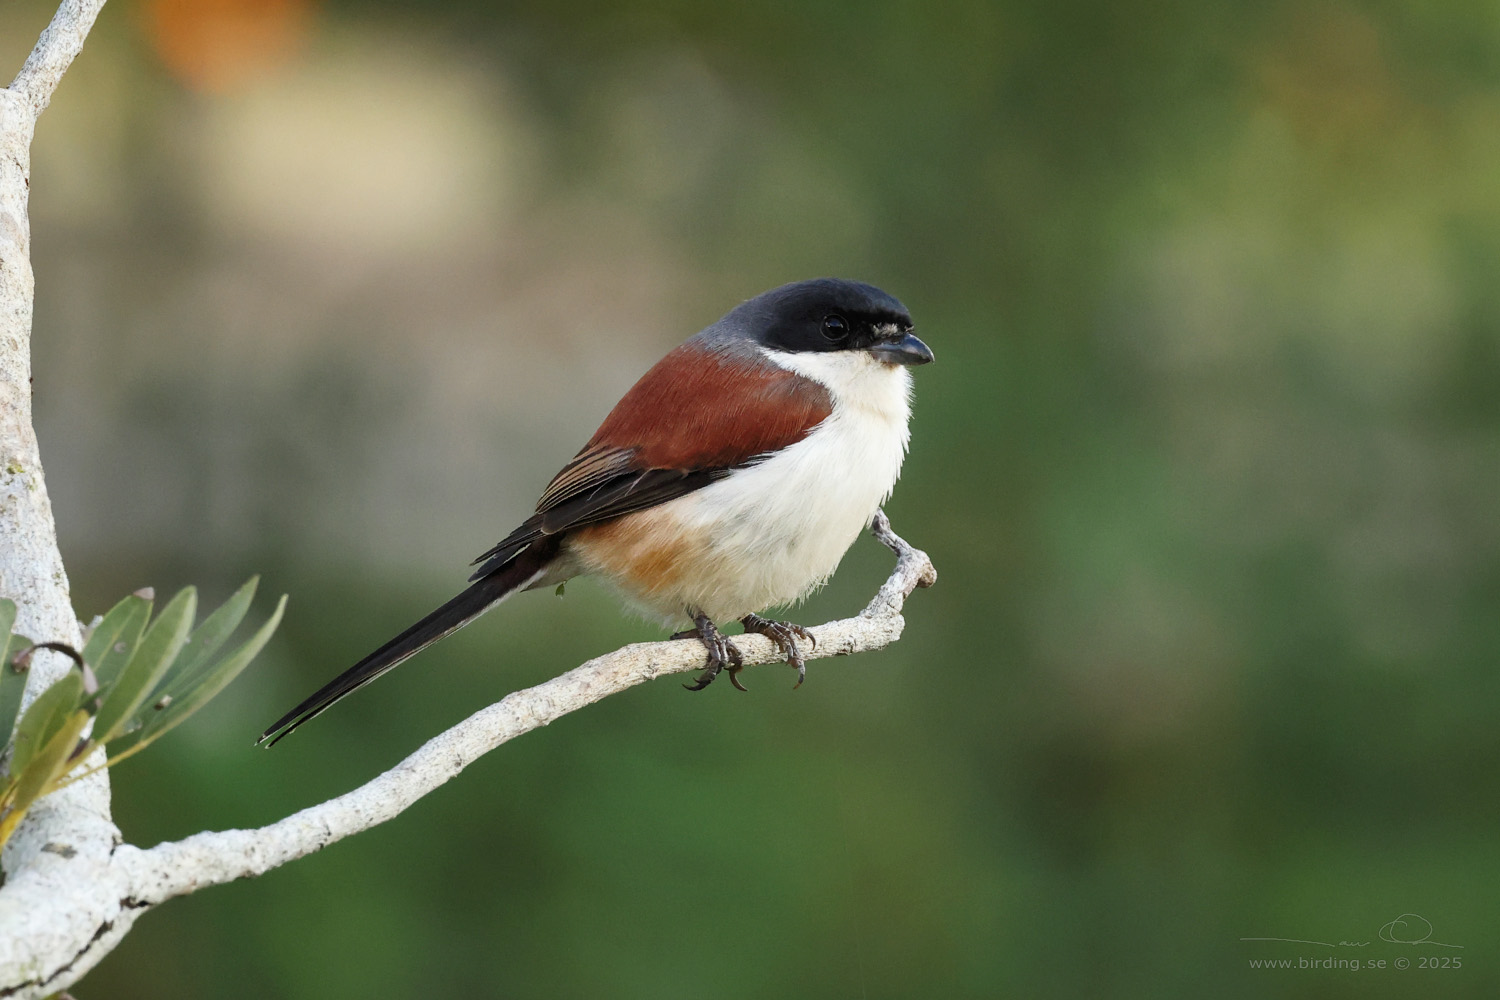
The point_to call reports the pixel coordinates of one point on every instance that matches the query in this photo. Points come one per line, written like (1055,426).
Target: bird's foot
(784,635)
(721,653)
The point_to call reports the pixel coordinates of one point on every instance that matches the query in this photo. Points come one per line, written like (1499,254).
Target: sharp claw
(734,678)
(721,653)
(794,658)
(781,634)
(802,633)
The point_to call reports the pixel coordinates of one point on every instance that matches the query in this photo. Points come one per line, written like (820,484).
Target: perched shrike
(731,478)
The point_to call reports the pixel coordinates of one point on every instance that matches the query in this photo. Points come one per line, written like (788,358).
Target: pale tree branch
(99,910)
(31,567)
(55,51)
(173,869)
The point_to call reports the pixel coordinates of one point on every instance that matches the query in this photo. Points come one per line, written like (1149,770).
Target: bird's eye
(835,327)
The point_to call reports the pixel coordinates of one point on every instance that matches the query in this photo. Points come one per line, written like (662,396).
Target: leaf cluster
(135,679)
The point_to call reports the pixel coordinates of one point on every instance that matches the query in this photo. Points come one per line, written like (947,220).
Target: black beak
(906,351)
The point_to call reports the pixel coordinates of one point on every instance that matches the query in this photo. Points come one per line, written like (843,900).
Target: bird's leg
(783,634)
(721,653)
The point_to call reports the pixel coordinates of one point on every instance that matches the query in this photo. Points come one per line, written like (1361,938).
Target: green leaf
(49,763)
(153,657)
(7,616)
(210,682)
(114,639)
(206,639)
(44,718)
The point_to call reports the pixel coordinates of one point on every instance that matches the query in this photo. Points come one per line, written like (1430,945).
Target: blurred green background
(1208,465)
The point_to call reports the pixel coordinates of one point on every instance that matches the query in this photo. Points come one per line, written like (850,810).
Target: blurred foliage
(1207,465)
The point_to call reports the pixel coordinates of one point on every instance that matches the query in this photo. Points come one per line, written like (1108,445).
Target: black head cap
(829,314)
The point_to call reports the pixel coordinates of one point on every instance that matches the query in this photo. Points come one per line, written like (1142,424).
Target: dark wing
(630,490)
(695,417)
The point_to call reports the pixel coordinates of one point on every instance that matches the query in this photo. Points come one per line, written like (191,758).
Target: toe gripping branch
(785,636)
(723,654)
(913,569)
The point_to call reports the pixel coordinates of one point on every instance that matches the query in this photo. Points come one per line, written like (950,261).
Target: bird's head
(826,316)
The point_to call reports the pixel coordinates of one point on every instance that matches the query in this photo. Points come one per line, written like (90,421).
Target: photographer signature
(1409,928)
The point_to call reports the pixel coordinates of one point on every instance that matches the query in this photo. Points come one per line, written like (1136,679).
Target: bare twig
(55,51)
(172,869)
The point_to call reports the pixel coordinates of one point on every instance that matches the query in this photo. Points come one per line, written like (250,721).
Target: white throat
(856,381)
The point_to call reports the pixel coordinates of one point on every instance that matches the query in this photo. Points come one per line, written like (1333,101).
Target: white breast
(777,530)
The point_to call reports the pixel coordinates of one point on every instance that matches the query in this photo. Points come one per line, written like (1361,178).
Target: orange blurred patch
(220,45)
(1328,75)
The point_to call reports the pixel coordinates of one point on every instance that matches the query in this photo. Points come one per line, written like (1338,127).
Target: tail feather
(488,591)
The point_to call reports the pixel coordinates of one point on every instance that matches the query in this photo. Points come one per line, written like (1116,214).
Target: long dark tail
(479,598)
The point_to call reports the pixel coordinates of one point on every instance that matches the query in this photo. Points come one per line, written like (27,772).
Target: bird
(731,478)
